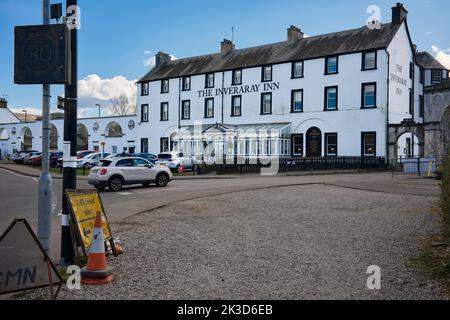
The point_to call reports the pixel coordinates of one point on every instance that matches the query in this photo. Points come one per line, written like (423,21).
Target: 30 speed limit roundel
(40,55)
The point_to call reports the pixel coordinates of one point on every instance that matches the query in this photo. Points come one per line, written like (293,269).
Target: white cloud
(443,56)
(94,90)
(95,87)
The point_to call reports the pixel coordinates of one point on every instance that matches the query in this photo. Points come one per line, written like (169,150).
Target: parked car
(80,155)
(28,156)
(90,160)
(84,153)
(36,160)
(147,156)
(173,161)
(54,157)
(19,157)
(93,160)
(117,172)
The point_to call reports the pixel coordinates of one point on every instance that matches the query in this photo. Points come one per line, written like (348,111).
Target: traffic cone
(97,270)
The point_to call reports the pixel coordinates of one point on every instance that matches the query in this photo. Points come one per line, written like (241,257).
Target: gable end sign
(40,54)
(24,265)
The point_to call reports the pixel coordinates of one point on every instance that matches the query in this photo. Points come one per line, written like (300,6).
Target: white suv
(115,173)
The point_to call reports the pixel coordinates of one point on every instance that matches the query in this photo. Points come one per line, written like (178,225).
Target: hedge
(445,196)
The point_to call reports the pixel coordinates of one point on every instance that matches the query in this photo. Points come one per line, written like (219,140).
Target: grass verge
(434,257)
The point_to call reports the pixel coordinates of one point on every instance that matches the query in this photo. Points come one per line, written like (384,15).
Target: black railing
(416,166)
(240,165)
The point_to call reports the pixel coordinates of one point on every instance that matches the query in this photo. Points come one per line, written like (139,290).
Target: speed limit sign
(40,54)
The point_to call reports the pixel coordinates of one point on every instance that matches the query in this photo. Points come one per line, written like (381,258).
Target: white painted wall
(14,141)
(349,121)
(401,56)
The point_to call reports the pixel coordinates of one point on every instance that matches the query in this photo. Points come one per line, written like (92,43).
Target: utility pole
(45,182)
(70,137)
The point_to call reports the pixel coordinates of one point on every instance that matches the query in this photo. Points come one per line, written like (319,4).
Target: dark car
(147,156)
(54,157)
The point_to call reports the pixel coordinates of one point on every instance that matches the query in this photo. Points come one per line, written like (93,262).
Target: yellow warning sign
(85,205)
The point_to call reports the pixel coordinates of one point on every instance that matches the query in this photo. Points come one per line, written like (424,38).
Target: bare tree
(122,106)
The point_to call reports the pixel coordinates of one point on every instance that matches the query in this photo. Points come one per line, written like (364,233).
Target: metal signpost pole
(70,136)
(45,182)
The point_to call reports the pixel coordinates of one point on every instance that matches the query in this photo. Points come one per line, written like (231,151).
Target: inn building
(365,92)
(330,95)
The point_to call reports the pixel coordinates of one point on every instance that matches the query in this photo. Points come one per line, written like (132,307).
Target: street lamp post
(99,110)
(45,181)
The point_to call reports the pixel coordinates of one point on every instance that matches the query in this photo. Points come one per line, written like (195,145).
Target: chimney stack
(226,46)
(162,58)
(294,34)
(399,14)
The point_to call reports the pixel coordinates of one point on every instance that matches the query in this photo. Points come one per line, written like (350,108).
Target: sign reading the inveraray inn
(261,87)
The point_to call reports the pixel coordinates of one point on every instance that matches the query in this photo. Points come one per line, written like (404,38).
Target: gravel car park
(118,172)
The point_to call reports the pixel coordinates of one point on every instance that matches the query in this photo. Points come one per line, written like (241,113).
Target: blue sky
(117,36)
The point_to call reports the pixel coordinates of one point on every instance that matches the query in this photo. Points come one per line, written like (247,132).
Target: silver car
(173,161)
(118,172)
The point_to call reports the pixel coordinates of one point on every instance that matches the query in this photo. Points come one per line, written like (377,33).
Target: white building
(351,93)
(329,95)
(115,134)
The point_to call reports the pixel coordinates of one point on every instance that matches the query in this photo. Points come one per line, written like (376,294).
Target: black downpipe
(223,97)
(387,104)
(179,103)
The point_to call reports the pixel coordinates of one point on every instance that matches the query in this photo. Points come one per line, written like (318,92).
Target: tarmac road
(19,194)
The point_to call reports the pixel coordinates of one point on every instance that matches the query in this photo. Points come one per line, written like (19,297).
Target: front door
(314,142)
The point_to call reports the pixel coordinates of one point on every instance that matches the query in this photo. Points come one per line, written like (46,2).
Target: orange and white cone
(97,270)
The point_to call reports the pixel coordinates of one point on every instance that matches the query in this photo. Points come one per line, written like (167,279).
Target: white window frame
(186,111)
(236,107)
(434,79)
(294,69)
(264,104)
(164,111)
(367,60)
(145,113)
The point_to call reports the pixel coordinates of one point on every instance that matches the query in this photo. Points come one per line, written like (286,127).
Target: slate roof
(427,61)
(337,43)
